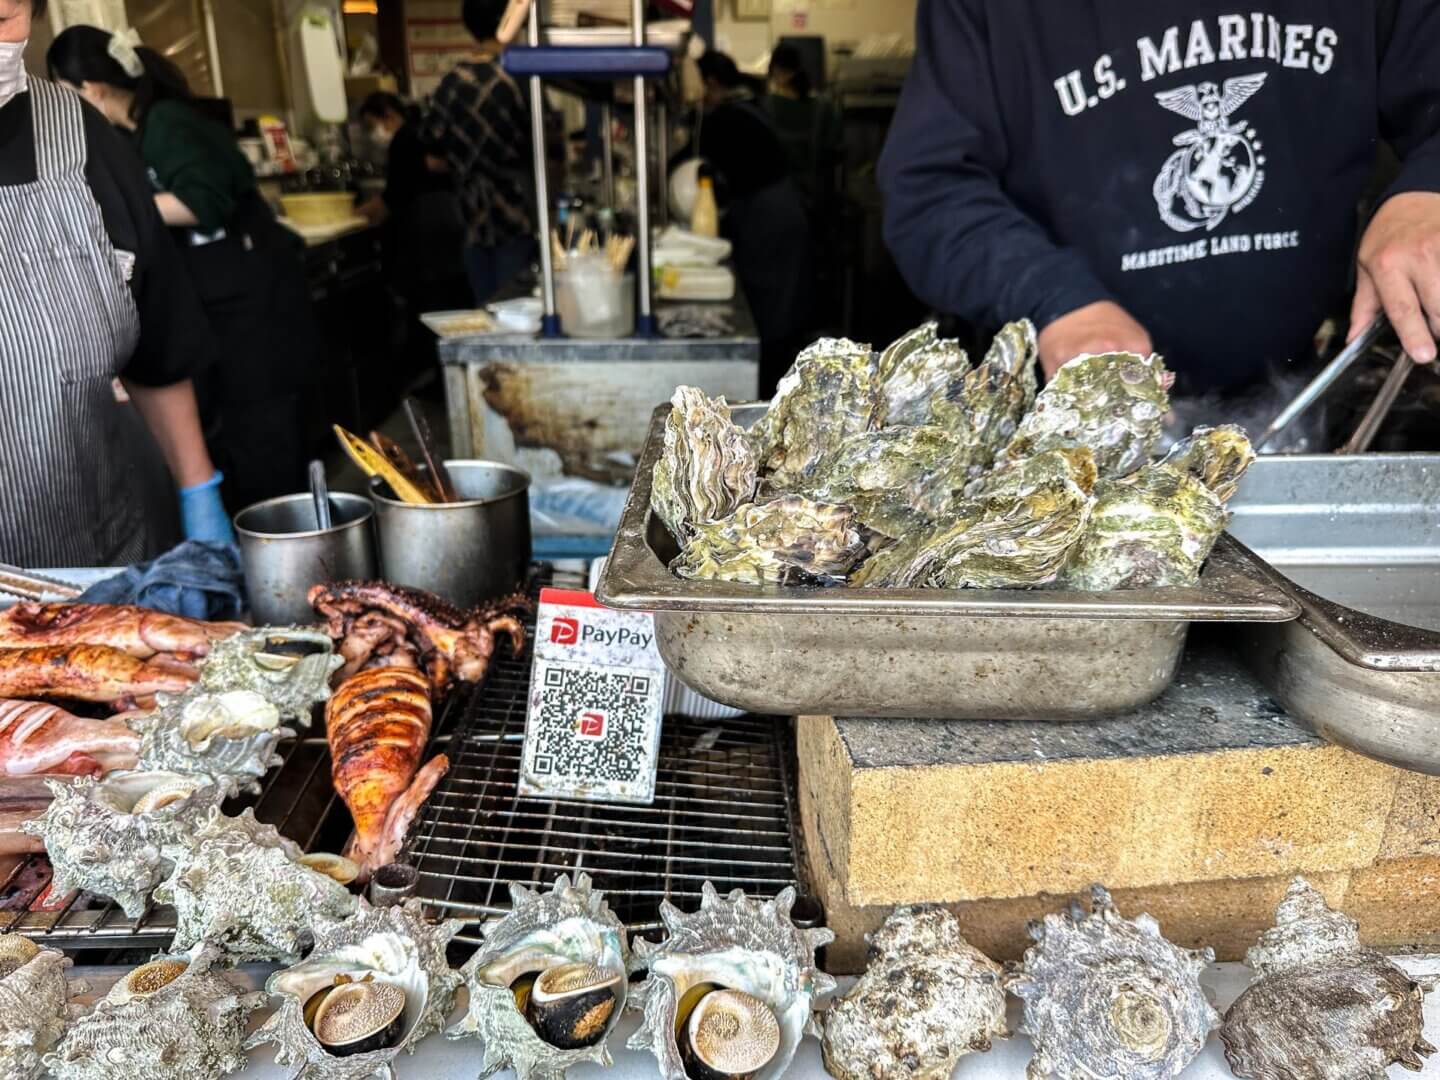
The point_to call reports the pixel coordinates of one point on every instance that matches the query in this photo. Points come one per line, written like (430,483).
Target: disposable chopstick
(444,487)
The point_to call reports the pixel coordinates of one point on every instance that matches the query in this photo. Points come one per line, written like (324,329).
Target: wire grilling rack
(723,812)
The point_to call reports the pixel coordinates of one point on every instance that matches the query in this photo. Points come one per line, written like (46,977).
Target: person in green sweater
(247,268)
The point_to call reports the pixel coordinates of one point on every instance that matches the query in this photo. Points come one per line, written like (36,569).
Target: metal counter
(589,400)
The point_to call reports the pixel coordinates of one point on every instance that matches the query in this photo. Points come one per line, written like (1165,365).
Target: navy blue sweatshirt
(1197,162)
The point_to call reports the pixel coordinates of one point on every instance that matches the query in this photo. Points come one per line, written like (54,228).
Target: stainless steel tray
(1357,540)
(972,654)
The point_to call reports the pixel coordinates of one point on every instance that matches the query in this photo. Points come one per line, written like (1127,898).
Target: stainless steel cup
(284,553)
(467,551)
(393,883)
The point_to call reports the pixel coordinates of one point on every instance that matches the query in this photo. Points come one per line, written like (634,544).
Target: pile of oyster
(911,468)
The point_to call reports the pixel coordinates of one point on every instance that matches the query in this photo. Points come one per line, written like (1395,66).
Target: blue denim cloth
(198,579)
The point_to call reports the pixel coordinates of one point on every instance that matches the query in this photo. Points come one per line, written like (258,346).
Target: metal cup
(467,551)
(393,883)
(285,554)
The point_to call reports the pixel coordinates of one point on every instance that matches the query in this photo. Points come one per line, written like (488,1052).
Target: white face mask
(13,79)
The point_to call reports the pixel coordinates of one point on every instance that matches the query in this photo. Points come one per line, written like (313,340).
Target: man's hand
(1095,328)
(1399,271)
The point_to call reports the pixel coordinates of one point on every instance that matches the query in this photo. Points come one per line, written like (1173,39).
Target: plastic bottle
(705,218)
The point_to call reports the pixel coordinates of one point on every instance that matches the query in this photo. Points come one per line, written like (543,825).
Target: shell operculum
(358,1017)
(15,952)
(336,867)
(148,979)
(570,1006)
(729,1035)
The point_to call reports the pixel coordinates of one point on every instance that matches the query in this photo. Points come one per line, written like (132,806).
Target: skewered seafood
(140,632)
(1108,998)
(787,540)
(90,673)
(34,1004)
(367,616)
(37,738)
(928,998)
(1322,1006)
(378,723)
(708,469)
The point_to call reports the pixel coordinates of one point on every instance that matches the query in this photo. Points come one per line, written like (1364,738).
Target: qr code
(592,732)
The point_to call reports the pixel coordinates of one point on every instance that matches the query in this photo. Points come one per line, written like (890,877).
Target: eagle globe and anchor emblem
(1218,168)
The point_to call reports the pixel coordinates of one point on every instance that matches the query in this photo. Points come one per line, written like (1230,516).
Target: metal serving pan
(1357,539)
(971,654)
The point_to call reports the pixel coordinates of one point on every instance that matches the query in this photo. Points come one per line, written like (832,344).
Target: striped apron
(67,324)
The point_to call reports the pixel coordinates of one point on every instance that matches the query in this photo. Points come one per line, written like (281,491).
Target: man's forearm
(174,420)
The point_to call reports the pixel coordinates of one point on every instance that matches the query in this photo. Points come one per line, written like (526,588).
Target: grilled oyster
(784,541)
(918,385)
(1018,535)
(241,885)
(708,467)
(897,480)
(1322,1006)
(927,998)
(110,836)
(289,666)
(829,395)
(1114,403)
(372,987)
(747,970)
(172,1018)
(1108,998)
(549,984)
(1218,457)
(1153,528)
(34,1004)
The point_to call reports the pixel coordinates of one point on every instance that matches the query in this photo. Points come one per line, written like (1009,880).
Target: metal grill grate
(723,812)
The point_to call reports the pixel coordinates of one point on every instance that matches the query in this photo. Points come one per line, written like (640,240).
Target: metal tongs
(28,585)
(1369,425)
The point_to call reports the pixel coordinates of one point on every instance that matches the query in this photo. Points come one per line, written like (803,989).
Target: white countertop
(441,1059)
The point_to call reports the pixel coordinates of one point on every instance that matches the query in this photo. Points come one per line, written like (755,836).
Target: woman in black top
(247,268)
(90,289)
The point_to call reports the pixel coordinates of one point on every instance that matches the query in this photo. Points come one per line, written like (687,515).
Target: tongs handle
(1326,379)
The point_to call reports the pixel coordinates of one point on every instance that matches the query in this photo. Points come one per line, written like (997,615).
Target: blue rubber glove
(202,514)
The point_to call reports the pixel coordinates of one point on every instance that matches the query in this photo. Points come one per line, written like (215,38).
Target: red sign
(592,725)
(564,631)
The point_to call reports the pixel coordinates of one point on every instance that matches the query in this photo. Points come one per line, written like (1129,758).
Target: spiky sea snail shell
(35,1004)
(927,998)
(729,1035)
(1322,1006)
(1108,998)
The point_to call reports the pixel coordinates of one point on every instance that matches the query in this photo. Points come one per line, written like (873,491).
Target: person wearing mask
(90,289)
(808,126)
(478,130)
(762,213)
(247,268)
(1171,174)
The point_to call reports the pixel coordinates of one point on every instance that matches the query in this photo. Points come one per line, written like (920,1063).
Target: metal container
(285,554)
(1357,540)
(466,551)
(941,653)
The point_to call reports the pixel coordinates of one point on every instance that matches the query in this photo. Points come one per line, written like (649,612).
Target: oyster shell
(241,885)
(1018,535)
(1322,1006)
(896,480)
(898,351)
(1108,998)
(289,666)
(1153,528)
(34,1004)
(999,392)
(569,925)
(739,944)
(708,467)
(921,384)
(188,1027)
(392,945)
(110,837)
(927,998)
(1216,456)
(1114,403)
(232,734)
(829,395)
(787,540)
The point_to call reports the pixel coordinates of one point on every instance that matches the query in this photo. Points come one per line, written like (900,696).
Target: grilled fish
(37,738)
(141,632)
(90,673)
(377,723)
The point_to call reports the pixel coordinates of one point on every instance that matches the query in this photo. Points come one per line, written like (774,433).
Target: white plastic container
(593,300)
